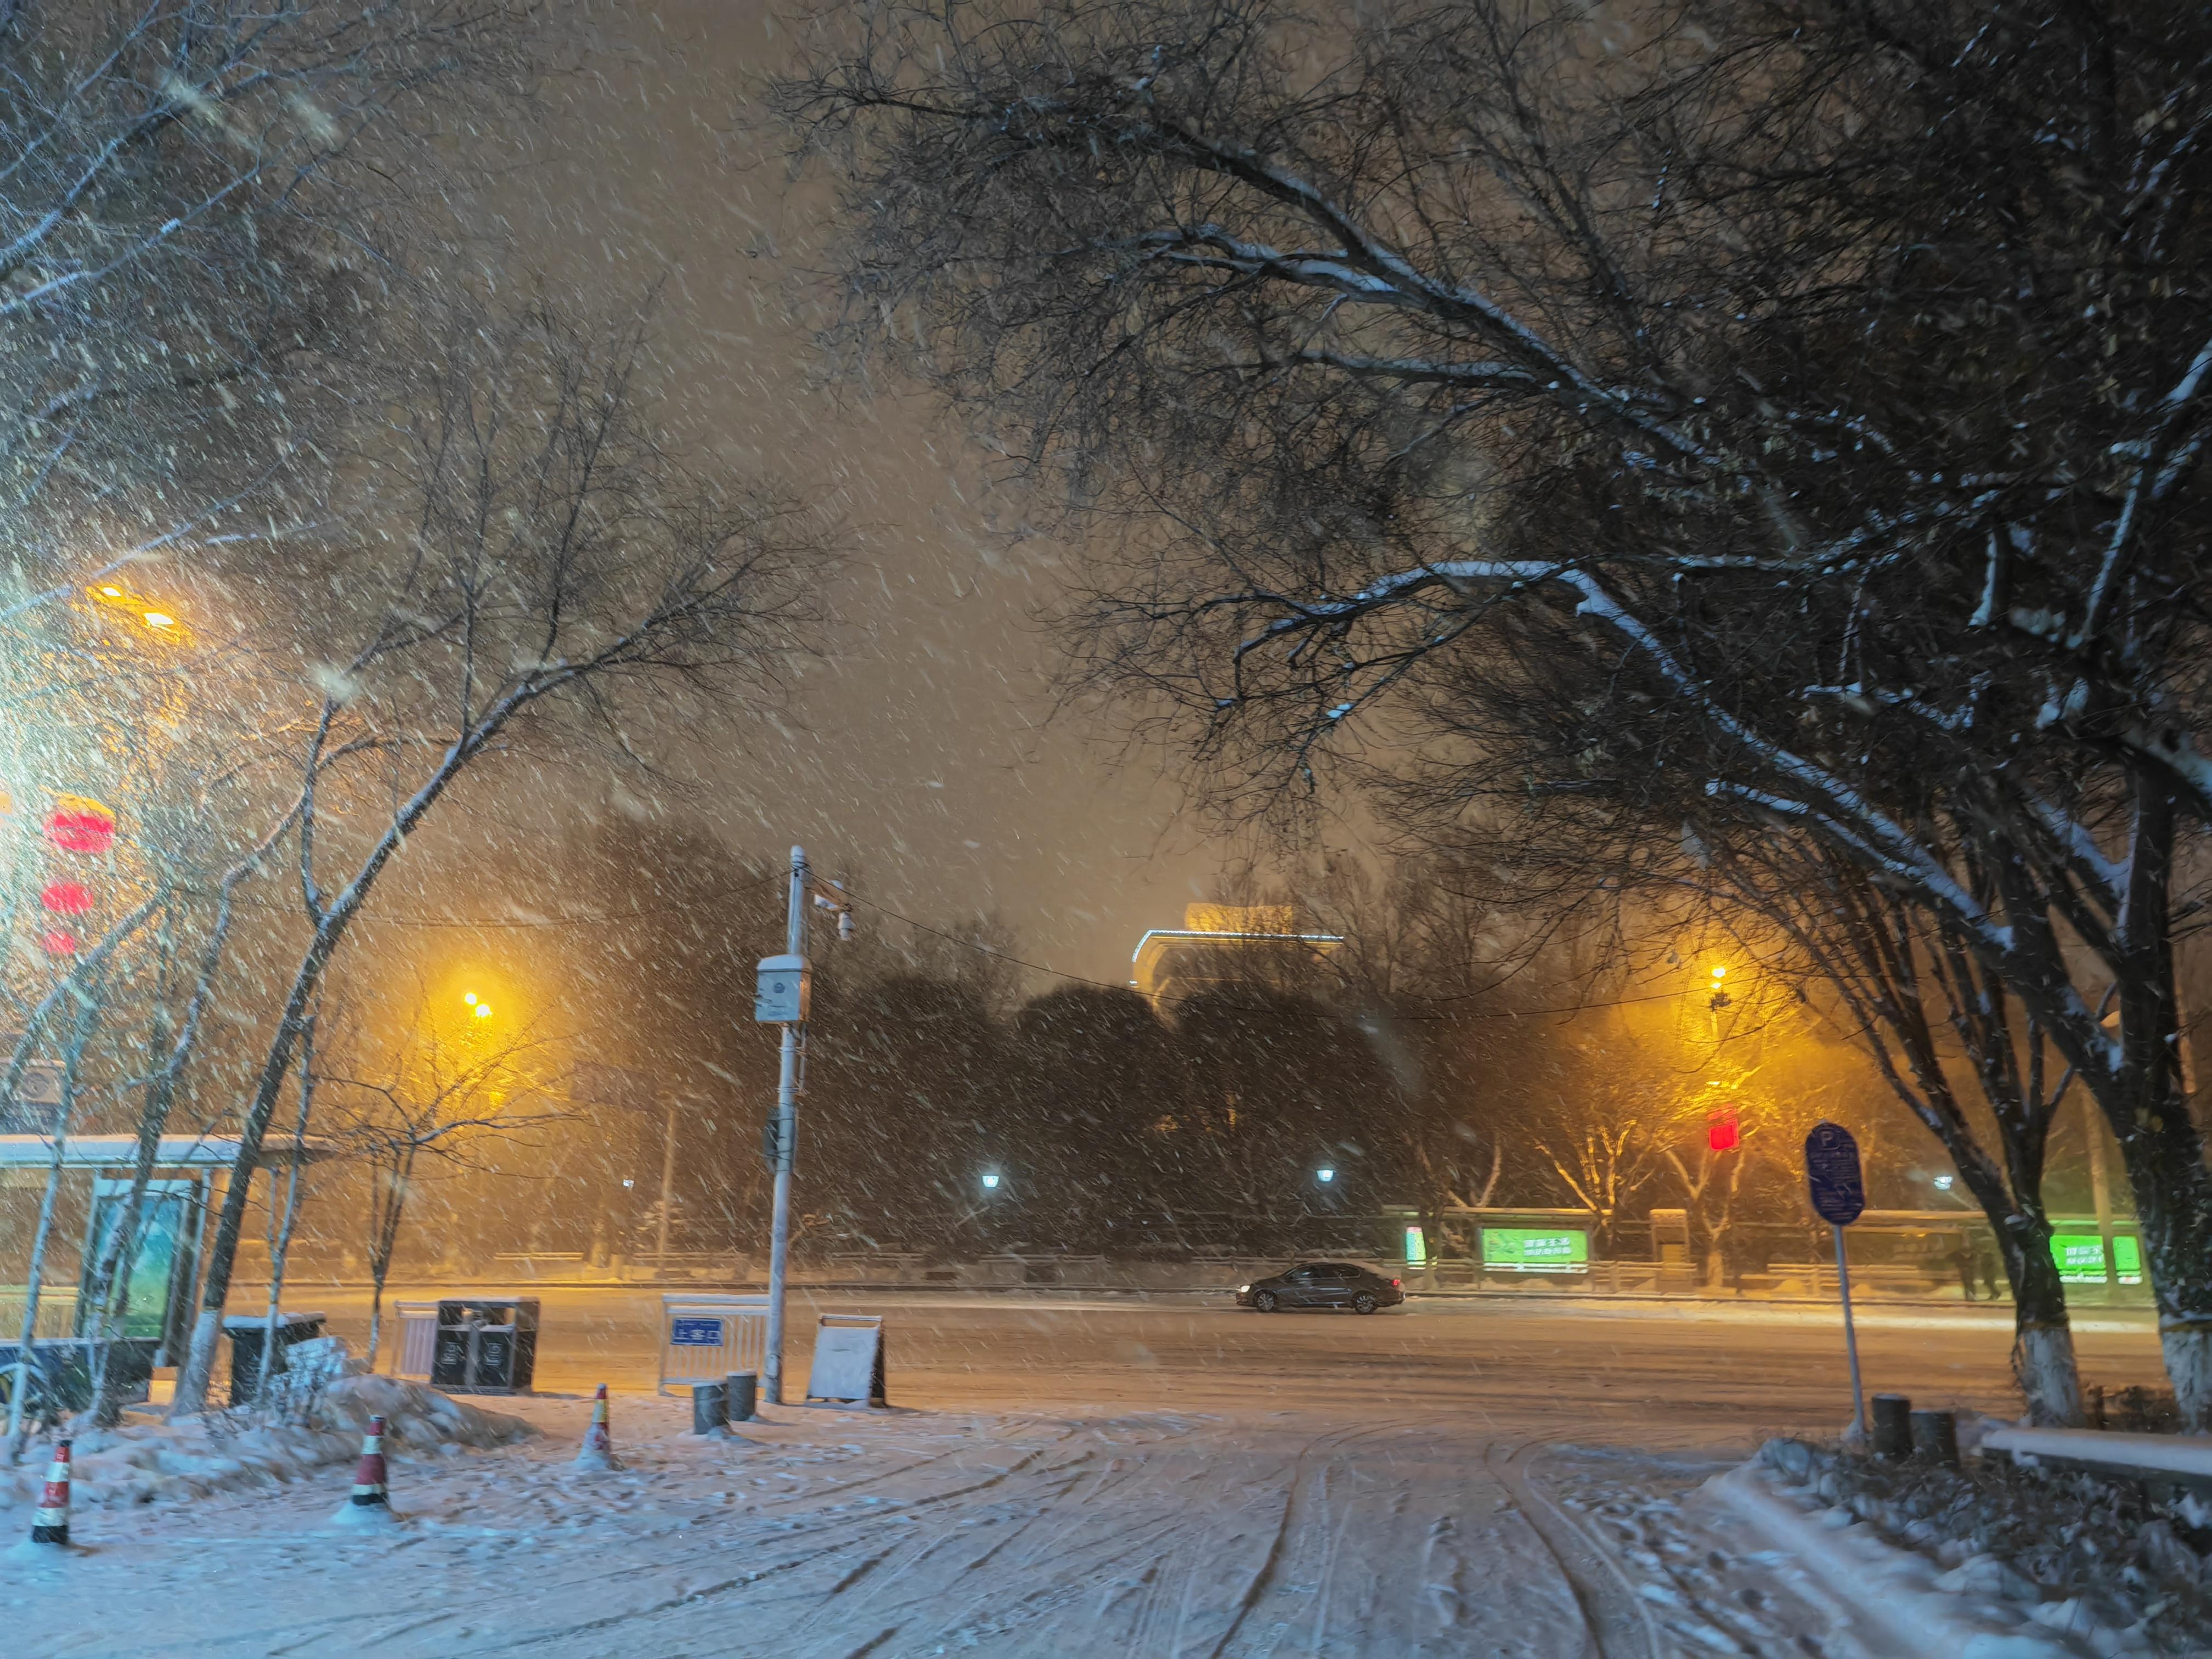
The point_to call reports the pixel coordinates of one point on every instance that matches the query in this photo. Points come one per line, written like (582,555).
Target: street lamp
(991,1183)
(1324,1176)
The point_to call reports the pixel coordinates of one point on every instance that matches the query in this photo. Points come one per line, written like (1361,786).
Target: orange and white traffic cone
(50,1523)
(370,1505)
(598,1452)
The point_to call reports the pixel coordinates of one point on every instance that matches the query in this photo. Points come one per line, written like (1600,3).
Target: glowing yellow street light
(1720,974)
(121,598)
(484,1011)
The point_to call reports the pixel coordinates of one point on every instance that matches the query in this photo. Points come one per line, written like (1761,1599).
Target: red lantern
(1721,1131)
(58,942)
(67,898)
(80,824)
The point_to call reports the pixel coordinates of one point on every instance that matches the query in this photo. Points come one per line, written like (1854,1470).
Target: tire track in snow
(1616,1623)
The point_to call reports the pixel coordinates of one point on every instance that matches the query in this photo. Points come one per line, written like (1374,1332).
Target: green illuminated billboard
(2081,1258)
(1535,1250)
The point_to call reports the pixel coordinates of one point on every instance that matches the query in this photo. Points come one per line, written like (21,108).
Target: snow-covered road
(1060,1480)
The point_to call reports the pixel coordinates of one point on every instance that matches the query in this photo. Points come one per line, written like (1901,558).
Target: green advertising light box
(2081,1258)
(1536,1250)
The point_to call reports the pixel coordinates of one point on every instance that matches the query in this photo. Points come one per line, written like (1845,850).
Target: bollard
(1893,1426)
(710,1408)
(1935,1438)
(741,1392)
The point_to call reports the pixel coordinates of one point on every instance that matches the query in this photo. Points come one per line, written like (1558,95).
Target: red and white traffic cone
(50,1523)
(598,1452)
(370,1505)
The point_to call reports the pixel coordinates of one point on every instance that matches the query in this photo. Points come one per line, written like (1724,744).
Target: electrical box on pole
(782,990)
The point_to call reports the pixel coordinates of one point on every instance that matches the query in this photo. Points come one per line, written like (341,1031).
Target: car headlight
(1241,1289)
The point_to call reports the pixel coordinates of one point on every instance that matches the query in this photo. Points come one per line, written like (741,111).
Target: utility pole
(780,997)
(667,1189)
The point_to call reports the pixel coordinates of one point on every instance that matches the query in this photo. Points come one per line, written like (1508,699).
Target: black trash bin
(486,1345)
(61,1370)
(246,1333)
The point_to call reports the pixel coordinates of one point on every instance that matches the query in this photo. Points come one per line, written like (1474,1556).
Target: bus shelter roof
(177,1151)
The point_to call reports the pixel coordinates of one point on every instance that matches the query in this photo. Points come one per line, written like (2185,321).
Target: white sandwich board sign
(848,1358)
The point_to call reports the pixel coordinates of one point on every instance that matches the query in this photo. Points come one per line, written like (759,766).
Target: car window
(1331,1272)
(1299,1275)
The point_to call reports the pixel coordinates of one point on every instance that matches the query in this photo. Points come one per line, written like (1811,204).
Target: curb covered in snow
(1889,1596)
(2183,1457)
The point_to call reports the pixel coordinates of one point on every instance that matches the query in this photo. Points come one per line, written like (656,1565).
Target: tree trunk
(280,1231)
(18,1428)
(2165,1160)
(80,1034)
(2043,1336)
(2159,1139)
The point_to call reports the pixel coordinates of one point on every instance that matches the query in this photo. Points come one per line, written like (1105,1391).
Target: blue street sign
(1832,1178)
(694,1333)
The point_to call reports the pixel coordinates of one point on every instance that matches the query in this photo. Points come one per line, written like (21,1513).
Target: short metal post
(1851,1336)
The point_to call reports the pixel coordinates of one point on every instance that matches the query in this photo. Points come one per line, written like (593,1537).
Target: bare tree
(536,567)
(1620,435)
(1600,1146)
(436,1098)
(195,214)
(1951,1041)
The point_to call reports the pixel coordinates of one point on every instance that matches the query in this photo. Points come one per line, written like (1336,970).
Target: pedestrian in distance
(1985,1267)
(1962,1262)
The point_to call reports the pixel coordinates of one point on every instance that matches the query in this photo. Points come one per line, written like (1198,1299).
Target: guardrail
(418,1339)
(704,1337)
(57,1312)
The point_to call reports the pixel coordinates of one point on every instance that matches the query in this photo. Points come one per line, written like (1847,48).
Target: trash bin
(60,1369)
(710,1408)
(247,1332)
(739,1392)
(486,1345)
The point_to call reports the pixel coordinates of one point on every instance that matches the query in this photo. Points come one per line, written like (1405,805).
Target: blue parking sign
(694,1333)
(1833,1179)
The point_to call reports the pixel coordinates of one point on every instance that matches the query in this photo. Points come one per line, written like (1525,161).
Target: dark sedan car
(1322,1284)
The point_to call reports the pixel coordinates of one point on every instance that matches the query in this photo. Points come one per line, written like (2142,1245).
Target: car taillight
(1394,1284)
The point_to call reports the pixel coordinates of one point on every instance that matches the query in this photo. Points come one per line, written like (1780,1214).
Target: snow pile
(317,1422)
(2096,1560)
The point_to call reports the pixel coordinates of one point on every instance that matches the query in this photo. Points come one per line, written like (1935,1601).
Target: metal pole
(1851,1336)
(787,1125)
(2100,1186)
(667,1189)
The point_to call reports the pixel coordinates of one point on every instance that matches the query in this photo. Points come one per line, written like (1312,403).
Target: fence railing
(57,1312)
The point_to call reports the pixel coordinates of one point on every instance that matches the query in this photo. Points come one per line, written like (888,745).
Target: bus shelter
(162,1277)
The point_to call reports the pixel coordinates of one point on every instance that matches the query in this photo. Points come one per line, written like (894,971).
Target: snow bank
(1892,1597)
(147,1462)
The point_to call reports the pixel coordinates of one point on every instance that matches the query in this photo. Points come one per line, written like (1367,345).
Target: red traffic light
(1723,1133)
(58,942)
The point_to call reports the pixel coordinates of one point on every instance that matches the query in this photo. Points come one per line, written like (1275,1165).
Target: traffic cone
(370,1505)
(598,1452)
(49,1522)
